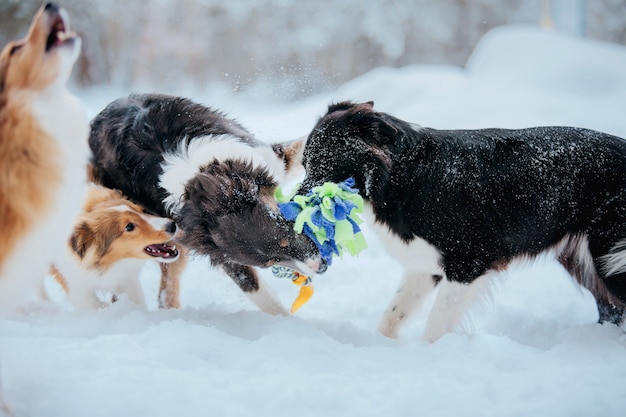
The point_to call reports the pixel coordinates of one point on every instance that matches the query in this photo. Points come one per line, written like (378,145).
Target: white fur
(458,306)
(83,284)
(410,298)
(417,255)
(70,54)
(615,261)
(156,222)
(182,166)
(421,261)
(266,300)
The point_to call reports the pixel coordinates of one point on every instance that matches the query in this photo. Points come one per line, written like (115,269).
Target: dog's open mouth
(162,250)
(59,33)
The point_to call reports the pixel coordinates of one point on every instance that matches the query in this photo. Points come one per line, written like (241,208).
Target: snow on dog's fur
(461,205)
(112,240)
(185,161)
(43,153)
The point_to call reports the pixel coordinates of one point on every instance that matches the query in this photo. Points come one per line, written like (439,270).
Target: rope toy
(306,289)
(328,215)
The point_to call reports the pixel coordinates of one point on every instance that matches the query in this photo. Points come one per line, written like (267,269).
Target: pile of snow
(539,351)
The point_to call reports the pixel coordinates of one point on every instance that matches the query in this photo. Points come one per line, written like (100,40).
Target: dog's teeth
(63,35)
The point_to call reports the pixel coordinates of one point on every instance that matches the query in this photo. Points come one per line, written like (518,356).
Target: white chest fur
(416,255)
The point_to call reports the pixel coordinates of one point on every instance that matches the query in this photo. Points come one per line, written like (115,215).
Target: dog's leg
(453,303)
(169,290)
(248,280)
(84,298)
(132,287)
(410,297)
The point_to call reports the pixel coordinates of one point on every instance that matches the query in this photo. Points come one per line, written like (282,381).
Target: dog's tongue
(161,250)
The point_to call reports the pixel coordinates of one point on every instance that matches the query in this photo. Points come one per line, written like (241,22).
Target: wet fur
(183,160)
(463,204)
(43,153)
(103,253)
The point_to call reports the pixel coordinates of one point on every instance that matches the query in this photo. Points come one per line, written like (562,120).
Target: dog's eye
(130,227)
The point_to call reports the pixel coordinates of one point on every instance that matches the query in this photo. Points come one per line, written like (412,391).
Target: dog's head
(351,140)
(112,228)
(230,214)
(44,58)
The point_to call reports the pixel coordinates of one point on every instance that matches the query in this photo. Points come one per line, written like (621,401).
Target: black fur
(227,212)
(485,197)
(130,136)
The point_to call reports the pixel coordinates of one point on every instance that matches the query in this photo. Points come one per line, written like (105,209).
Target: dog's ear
(223,190)
(82,239)
(341,106)
(386,132)
(86,237)
(291,155)
(349,105)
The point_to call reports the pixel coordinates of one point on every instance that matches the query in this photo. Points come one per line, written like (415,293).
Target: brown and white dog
(112,240)
(43,153)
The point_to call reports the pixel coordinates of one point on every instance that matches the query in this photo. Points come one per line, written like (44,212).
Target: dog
(463,204)
(43,152)
(182,160)
(111,241)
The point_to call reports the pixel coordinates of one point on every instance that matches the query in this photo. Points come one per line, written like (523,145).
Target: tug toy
(306,289)
(328,215)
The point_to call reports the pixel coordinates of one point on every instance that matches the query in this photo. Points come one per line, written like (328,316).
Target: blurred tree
(300,47)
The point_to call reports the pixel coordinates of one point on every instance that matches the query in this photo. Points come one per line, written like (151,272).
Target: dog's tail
(574,254)
(615,261)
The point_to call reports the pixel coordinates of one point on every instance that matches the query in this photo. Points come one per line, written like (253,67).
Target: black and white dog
(463,204)
(182,160)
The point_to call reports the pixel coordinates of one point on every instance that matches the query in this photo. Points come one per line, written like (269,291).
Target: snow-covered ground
(538,352)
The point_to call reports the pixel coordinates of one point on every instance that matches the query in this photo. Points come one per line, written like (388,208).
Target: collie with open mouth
(43,153)
(112,240)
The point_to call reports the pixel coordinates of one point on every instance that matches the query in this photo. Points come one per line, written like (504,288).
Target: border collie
(463,204)
(43,153)
(182,160)
(112,240)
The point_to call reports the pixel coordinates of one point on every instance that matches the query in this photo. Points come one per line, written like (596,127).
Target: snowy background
(538,352)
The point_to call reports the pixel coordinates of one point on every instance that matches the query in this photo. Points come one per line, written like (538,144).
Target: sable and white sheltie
(43,153)
(460,205)
(111,242)
(182,160)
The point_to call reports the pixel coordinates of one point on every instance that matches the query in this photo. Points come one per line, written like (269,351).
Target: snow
(538,351)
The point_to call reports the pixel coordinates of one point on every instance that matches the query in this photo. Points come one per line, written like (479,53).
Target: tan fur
(99,236)
(43,152)
(102,251)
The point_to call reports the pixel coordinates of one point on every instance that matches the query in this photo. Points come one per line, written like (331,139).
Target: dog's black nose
(171,228)
(51,7)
